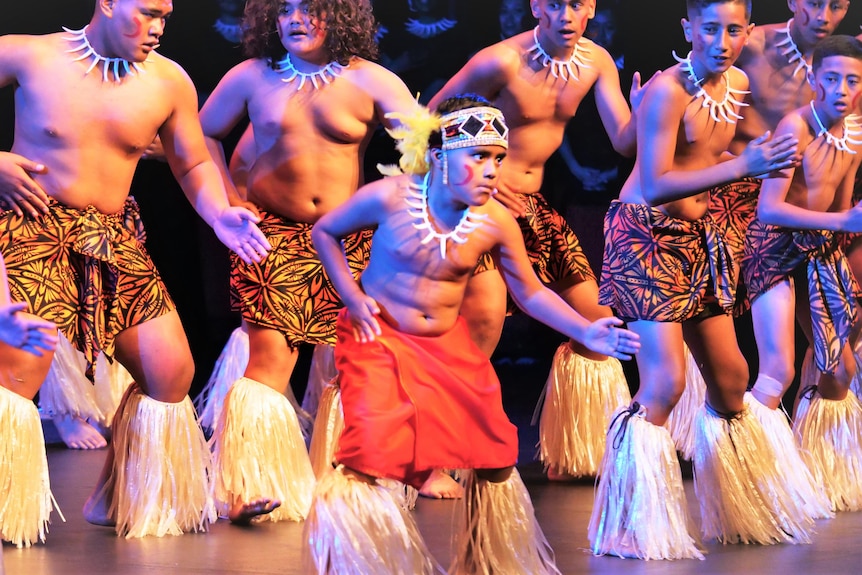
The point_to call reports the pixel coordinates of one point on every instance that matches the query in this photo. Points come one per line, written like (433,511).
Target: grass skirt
(25,491)
(576,406)
(259,452)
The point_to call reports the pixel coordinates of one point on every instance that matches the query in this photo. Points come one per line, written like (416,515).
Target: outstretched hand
(235,228)
(363,315)
(27,333)
(606,337)
(766,156)
(18,187)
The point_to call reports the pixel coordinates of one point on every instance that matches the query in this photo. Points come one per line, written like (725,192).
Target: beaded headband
(480,126)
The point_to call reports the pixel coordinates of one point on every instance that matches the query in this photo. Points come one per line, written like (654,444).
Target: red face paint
(584,20)
(546,20)
(137,30)
(468,175)
(806,17)
(856,100)
(821,92)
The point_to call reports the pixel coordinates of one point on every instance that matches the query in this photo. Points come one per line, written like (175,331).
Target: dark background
(194,265)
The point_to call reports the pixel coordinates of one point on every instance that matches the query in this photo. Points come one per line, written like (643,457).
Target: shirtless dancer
(88,103)
(417,392)
(796,271)
(679,287)
(538,79)
(313,98)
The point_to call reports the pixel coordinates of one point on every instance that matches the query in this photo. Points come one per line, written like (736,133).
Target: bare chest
(85,110)
(334,112)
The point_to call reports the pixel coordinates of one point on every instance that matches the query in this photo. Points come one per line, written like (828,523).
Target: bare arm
(364,209)
(545,305)
(199,177)
(773,207)
(483,74)
(17,185)
(613,108)
(222,111)
(659,125)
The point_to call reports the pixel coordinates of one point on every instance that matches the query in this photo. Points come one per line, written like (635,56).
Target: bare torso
(813,187)
(537,107)
(423,297)
(700,140)
(310,143)
(777,87)
(89,133)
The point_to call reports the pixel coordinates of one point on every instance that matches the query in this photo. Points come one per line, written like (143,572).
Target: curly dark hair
(350,29)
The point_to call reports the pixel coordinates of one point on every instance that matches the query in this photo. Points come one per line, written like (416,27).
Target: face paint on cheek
(855,104)
(468,175)
(805,18)
(546,20)
(137,30)
(821,92)
(584,21)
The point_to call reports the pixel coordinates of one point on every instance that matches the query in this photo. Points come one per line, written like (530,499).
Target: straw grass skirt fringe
(576,406)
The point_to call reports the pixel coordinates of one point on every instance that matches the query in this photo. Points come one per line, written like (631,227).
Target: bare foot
(243,513)
(440,485)
(555,475)
(96,509)
(76,433)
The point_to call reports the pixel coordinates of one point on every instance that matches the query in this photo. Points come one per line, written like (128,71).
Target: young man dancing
(418,394)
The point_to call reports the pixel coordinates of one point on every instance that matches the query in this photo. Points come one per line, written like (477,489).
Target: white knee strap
(768,386)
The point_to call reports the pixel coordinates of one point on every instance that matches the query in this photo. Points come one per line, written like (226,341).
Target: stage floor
(75,547)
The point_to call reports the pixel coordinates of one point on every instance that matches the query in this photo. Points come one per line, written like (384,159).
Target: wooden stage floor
(77,548)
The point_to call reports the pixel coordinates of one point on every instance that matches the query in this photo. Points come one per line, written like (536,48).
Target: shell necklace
(418,202)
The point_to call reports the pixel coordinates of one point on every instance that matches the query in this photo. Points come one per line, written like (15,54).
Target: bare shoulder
(738,78)
(756,43)
(18,47)
(501,59)
(600,58)
(371,74)
(671,83)
(797,124)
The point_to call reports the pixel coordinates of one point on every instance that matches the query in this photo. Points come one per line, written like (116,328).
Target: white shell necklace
(789,49)
(418,201)
(324,75)
(718,111)
(119,67)
(852,127)
(563,69)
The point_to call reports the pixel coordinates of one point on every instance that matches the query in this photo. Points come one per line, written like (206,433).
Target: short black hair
(837,45)
(695,6)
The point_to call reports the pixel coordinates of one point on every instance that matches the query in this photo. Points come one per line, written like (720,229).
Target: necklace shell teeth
(788,48)
(431,29)
(724,111)
(318,78)
(417,201)
(119,67)
(563,69)
(852,127)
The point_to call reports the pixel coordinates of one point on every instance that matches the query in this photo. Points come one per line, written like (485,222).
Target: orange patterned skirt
(289,291)
(86,271)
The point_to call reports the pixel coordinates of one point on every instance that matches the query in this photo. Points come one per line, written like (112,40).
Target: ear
(534,8)
(106,7)
(791,5)
(592,9)
(811,83)
(686,29)
(748,32)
